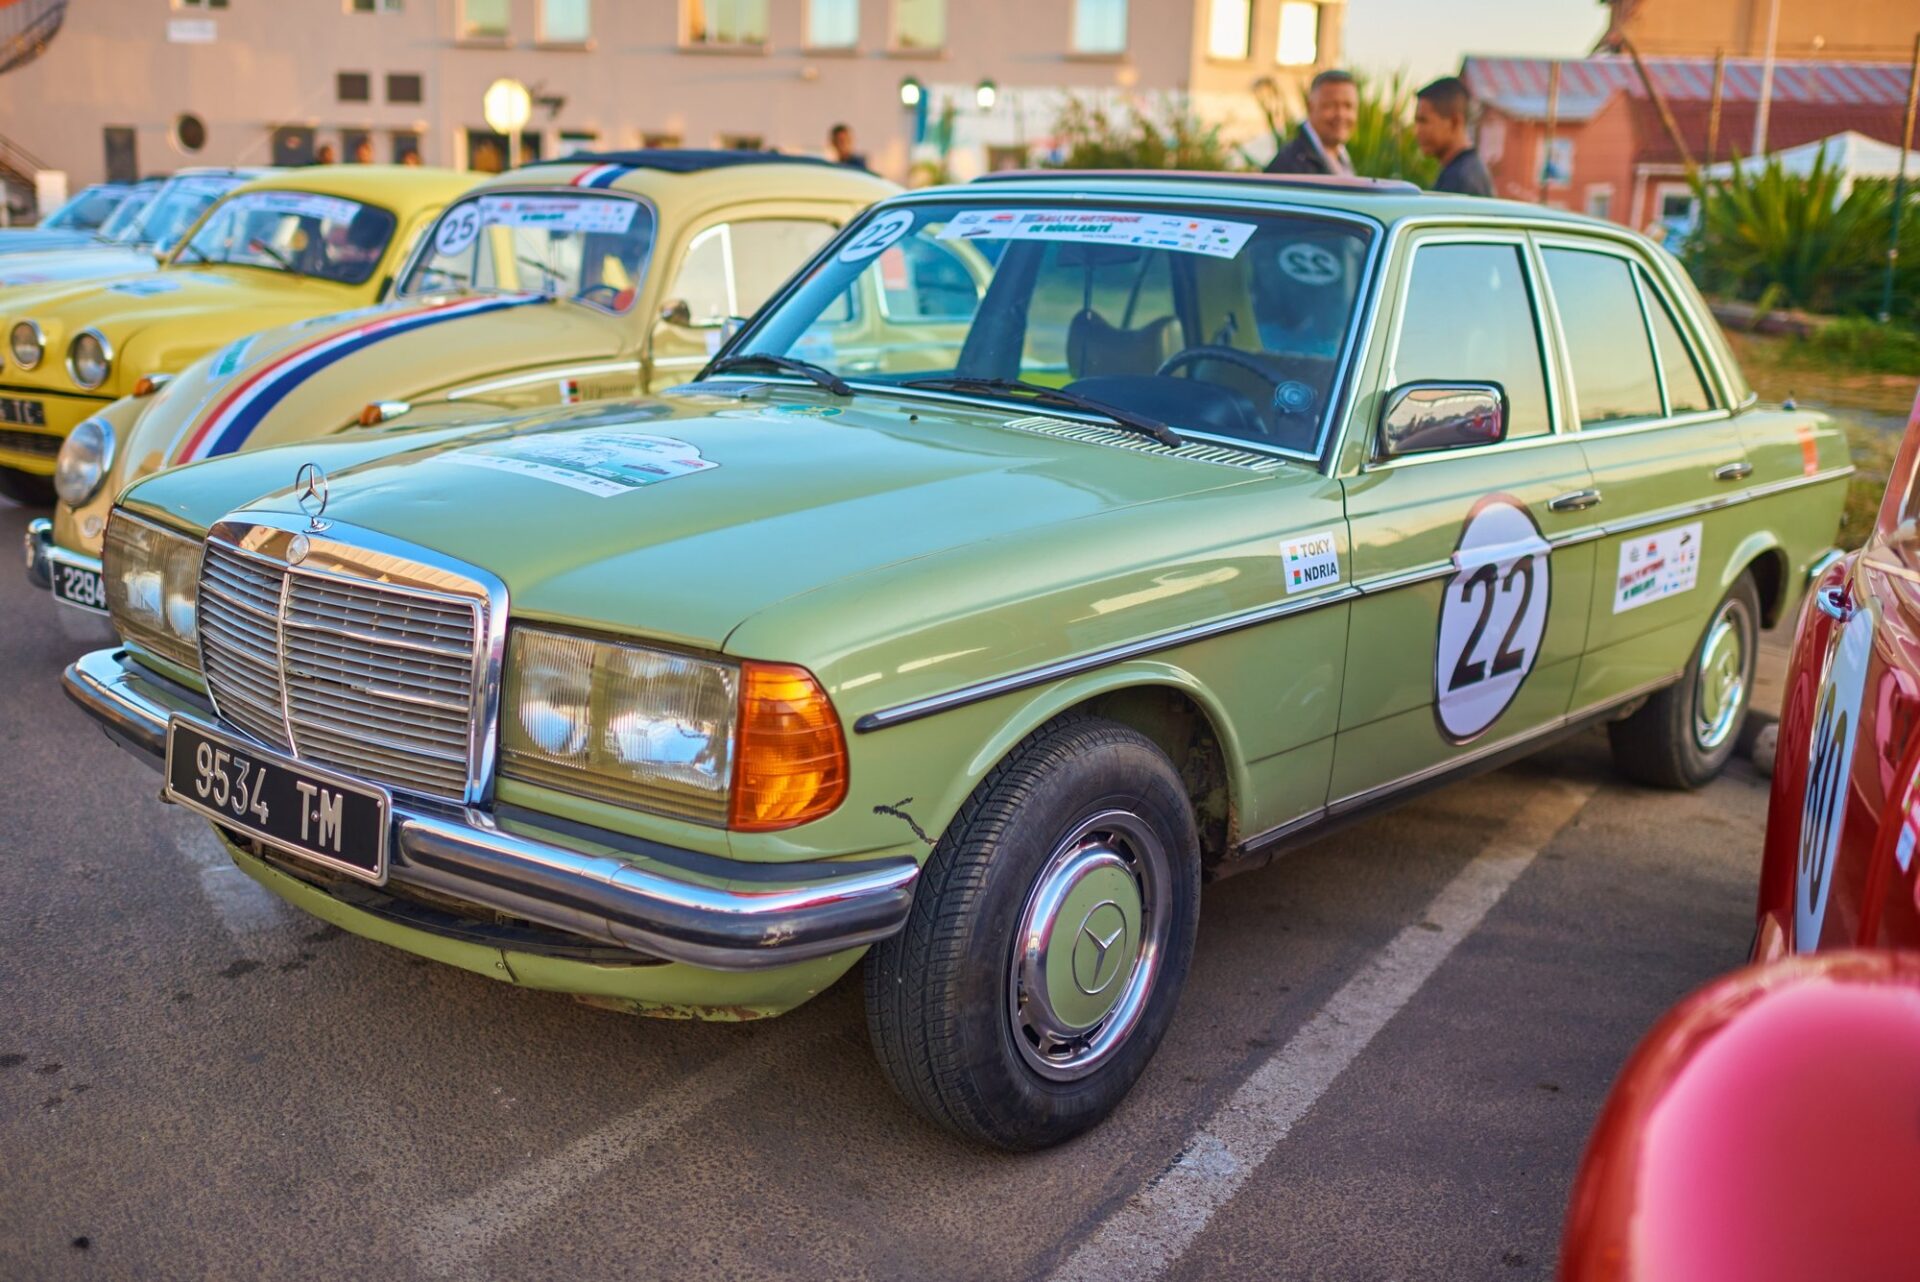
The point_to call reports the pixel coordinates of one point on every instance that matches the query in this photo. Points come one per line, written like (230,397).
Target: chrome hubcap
(1088,946)
(1721,692)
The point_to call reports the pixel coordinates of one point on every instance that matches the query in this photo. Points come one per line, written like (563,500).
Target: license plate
(77,585)
(17,409)
(309,813)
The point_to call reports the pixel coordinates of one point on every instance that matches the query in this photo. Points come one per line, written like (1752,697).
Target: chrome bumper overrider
(658,900)
(39,546)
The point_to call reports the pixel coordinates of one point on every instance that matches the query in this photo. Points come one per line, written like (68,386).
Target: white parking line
(1156,1226)
(455,1236)
(244,906)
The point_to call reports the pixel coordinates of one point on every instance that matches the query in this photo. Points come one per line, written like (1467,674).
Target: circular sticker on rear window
(1493,617)
(457,229)
(1309,264)
(877,235)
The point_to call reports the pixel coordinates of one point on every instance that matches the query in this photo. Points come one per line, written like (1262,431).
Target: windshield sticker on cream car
(604,214)
(1823,807)
(1311,561)
(1657,566)
(603,464)
(1215,237)
(877,235)
(1493,616)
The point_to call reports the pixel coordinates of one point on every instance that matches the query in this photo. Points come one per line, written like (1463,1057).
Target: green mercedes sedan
(1048,547)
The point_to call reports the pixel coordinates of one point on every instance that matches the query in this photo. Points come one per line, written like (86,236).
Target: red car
(1764,1131)
(1839,869)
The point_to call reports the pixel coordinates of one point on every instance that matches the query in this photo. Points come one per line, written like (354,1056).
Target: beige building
(130,86)
(1842,30)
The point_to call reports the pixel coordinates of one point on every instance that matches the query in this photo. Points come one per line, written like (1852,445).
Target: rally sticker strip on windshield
(603,464)
(306,204)
(1214,237)
(560,213)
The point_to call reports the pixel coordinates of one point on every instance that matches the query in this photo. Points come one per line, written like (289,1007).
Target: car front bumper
(655,900)
(44,557)
(39,552)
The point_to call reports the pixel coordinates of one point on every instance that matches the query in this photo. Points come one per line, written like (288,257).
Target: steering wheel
(1225,355)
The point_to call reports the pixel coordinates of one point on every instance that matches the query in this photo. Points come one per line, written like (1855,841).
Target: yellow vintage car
(287,247)
(593,277)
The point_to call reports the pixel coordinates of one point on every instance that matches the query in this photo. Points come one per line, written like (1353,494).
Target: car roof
(1387,200)
(673,175)
(390,186)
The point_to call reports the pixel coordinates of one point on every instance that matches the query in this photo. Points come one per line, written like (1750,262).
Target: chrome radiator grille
(350,673)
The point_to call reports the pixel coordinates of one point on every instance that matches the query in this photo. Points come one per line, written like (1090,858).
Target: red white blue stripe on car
(240,411)
(600,175)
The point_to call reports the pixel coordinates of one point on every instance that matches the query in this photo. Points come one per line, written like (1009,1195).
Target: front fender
(83,528)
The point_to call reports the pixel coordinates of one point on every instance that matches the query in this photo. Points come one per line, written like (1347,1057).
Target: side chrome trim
(983,690)
(544,376)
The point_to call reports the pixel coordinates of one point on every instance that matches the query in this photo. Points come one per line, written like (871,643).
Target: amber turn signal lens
(790,759)
(372,416)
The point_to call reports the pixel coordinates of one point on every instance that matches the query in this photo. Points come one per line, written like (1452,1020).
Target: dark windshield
(304,233)
(1224,324)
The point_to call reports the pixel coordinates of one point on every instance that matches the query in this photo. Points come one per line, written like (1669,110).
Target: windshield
(304,233)
(88,210)
(179,205)
(123,224)
(1228,325)
(593,248)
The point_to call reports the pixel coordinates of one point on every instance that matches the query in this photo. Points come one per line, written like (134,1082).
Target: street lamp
(911,92)
(986,93)
(506,106)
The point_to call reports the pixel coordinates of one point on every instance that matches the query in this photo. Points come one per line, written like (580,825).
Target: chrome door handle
(1733,471)
(1833,602)
(1575,501)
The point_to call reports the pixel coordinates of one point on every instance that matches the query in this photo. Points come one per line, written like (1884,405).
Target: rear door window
(1686,390)
(1612,360)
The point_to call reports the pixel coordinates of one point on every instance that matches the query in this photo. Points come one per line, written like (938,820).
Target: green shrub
(1858,343)
(1168,137)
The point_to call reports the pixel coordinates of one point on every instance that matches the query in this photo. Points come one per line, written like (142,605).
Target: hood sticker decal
(603,464)
(241,410)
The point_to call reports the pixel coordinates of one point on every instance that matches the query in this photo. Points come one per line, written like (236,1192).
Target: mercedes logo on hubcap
(1096,957)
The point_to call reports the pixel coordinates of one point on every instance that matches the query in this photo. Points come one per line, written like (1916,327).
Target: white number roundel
(877,235)
(1492,617)
(1836,723)
(458,229)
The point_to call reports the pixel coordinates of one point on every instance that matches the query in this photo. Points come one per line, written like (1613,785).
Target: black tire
(25,488)
(941,996)
(1665,744)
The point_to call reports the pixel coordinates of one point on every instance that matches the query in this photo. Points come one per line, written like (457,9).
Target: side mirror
(729,327)
(675,311)
(1421,417)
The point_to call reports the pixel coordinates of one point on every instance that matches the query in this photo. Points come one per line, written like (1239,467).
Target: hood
(677,519)
(164,320)
(32,240)
(315,376)
(58,266)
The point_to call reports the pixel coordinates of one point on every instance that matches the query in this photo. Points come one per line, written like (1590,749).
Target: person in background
(1319,146)
(840,148)
(1440,114)
(324,154)
(363,152)
(410,158)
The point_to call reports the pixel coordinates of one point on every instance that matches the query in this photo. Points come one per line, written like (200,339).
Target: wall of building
(142,63)
(1841,29)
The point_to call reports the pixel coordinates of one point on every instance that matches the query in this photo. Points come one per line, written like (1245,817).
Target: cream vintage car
(592,277)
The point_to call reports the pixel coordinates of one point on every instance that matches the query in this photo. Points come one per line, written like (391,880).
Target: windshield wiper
(1133,422)
(786,364)
(262,247)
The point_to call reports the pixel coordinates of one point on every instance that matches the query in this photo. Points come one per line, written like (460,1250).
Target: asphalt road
(1385,1065)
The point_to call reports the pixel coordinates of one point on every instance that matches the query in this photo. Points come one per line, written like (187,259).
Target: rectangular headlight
(153,587)
(646,729)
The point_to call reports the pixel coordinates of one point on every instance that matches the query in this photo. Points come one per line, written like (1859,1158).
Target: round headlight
(83,463)
(26,344)
(89,359)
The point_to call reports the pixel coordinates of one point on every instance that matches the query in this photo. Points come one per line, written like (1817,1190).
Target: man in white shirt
(1319,146)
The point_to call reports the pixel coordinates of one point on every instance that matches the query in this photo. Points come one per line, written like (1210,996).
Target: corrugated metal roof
(1517,84)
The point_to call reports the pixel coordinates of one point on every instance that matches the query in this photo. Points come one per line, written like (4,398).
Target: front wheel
(1684,736)
(1048,941)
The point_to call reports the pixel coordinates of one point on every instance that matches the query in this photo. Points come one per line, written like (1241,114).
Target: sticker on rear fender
(1311,561)
(1823,807)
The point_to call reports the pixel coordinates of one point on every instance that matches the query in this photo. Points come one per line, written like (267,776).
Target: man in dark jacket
(1319,146)
(1440,127)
